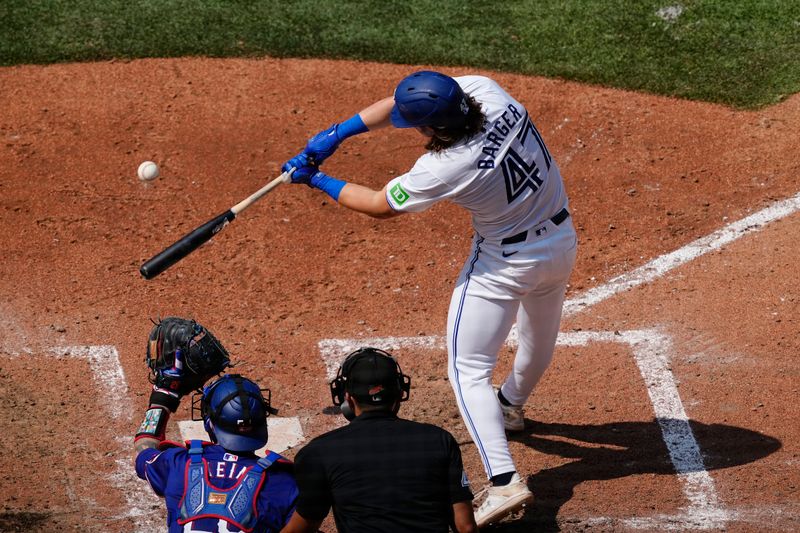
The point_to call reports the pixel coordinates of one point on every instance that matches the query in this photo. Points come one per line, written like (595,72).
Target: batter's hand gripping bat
(192,240)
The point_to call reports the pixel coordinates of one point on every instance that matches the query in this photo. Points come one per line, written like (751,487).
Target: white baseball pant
(526,281)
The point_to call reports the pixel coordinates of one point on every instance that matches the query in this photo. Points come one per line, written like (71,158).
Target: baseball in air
(147,171)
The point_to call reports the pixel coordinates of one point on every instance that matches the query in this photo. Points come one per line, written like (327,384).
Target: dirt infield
(668,405)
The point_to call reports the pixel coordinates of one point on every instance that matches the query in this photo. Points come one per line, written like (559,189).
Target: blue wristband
(352,126)
(327,184)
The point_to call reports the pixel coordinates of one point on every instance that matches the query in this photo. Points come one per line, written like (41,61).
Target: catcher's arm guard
(152,430)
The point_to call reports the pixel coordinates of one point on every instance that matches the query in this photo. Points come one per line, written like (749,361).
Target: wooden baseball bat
(192,240)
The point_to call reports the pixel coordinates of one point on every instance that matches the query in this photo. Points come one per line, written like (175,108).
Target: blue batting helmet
(428,98)
(235,413)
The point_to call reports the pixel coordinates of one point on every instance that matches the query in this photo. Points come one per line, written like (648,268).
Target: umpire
(380,473)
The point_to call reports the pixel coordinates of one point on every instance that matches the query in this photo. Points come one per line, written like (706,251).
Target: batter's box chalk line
(652,351)
(661,265)
(108,374)
(143,507)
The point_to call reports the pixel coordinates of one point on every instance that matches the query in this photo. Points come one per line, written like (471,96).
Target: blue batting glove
(322,145)
(304,174)
(303,169)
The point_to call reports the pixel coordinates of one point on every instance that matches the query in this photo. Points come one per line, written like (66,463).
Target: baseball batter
(485,154)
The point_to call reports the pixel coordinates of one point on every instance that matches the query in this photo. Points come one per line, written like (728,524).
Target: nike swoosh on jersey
(509,254)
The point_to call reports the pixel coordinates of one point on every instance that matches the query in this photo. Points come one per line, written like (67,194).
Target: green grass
(744,53)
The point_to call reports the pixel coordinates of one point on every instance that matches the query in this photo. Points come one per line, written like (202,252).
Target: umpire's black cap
(374,378)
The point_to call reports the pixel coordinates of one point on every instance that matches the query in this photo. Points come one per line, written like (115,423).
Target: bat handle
(286,177)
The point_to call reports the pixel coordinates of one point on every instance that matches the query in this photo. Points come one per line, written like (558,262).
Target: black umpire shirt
(382,474)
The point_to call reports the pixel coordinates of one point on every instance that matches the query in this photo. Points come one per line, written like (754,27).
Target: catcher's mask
(428,98)
(234,411)
(372,377)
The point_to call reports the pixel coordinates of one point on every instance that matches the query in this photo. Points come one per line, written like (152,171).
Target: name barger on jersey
(497,135)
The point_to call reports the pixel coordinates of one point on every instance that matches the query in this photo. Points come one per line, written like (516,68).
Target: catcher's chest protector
(236,504)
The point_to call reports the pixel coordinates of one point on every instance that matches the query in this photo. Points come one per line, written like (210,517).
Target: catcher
(221,485)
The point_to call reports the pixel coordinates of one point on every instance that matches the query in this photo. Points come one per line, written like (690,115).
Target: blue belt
(559,217)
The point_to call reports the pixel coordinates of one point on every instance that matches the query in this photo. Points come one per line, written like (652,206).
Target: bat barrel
(185,245)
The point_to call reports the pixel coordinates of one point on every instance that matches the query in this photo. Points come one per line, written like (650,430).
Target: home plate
(284,433)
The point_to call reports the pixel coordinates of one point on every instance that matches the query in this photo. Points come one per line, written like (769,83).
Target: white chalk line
(143,506)
(663,264)
(108,373)
(333,351)
(651,350)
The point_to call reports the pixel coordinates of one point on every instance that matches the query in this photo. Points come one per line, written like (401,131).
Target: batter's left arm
(367,201)
(377,115)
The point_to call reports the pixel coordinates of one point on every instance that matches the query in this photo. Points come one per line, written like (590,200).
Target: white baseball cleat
(513,417)
(502,501)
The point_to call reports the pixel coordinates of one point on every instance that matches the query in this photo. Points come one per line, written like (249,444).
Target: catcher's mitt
(183,355)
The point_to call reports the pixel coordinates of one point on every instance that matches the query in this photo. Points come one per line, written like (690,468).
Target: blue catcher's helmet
(235,413)
(428,98)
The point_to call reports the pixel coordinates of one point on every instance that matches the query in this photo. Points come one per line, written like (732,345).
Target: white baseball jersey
(504,176)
